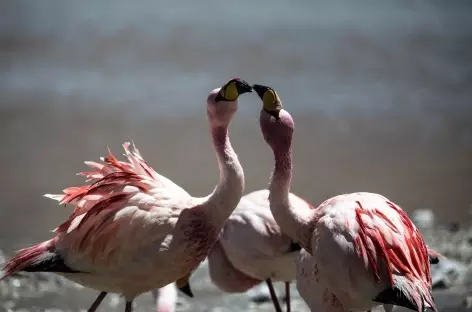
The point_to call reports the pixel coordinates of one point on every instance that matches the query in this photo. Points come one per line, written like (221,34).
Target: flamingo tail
(434,256)
(37,258)
(411,294)
(294,246)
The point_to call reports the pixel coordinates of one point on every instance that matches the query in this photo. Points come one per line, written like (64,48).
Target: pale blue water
(327,56)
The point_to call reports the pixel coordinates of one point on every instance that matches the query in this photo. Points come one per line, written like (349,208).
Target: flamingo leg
(97,301)
(388,307)
(273,295)
(287,296)
(129,306)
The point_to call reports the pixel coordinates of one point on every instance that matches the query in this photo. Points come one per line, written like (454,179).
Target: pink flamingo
(165,298)
(222,271)
(133,229)
(360,249)
(252,249)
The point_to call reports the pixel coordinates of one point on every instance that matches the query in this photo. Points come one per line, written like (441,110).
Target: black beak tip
(244,87)
(259,89)
(433,260)
(186,290)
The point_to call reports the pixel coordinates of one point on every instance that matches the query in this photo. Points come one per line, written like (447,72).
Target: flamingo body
(252,248)
(254,243)
(361,249)
(120,221)
(225,276)
(379,253)
(133,230)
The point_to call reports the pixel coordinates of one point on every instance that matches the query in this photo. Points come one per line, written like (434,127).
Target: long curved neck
(224,199)
(296,223)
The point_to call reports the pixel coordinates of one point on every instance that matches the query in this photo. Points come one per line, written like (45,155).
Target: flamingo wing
(117,231)
(252,221)
(225,276)
(377,245)
(270,253)
(114,175)
(116,215)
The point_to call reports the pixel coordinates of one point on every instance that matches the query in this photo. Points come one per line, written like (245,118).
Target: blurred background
(381,93)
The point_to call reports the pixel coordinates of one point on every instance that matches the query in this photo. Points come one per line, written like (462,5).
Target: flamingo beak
(186,290)
(243,87)
(260,89)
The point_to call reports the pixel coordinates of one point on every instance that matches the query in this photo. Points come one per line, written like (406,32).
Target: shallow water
(380,92)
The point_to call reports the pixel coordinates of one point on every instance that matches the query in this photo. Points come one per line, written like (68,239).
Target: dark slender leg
(97,302)
(287,296)
(129,306)
(273,296)
(387,307)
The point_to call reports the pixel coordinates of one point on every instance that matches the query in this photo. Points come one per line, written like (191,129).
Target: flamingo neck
(294,222)
(224,199)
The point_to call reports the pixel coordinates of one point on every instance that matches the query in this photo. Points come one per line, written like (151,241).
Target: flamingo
(224,274)
(252,249)
(359,250)
(165,298)
(133,230)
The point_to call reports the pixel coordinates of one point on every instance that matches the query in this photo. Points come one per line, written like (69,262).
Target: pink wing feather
(407,256)
(136,169)
(386,234)
(370,228)
(109,181)
(116,185)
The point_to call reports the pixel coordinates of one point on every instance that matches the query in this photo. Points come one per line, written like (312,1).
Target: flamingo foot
(275,300)
(97,302)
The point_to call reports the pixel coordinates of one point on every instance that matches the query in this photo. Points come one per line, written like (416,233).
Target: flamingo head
(184,286)
(277,125)
(223,102)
